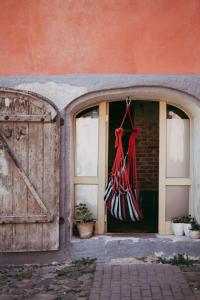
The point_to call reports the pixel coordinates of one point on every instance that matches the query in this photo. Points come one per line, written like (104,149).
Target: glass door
(174,165)
(90,161)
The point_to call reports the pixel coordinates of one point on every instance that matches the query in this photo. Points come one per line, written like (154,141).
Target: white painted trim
(191,164)
(86,180)
(162,166)
(178,181)
(102,166)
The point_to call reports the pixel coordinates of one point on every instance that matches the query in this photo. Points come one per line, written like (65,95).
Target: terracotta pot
(195,234)
(85,229)
(186,228)
(177,228)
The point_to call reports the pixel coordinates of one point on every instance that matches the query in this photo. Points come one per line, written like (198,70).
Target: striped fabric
(121,202)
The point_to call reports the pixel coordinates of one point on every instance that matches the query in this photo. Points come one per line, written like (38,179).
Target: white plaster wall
(59,93)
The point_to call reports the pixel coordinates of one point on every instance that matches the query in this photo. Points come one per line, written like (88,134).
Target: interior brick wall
(146,115)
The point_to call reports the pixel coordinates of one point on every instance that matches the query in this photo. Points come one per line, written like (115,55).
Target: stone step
(106,247)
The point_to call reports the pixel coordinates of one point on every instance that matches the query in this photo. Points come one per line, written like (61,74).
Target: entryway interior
(146,117)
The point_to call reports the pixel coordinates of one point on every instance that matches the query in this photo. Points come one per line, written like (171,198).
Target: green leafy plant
(195,226)
(188,219)
(83,214)
(179,259)
(84,261)
(178,220)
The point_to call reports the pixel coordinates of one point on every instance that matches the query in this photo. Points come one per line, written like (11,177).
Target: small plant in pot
(84,221)
(195,230)
(177,226)
(187,224)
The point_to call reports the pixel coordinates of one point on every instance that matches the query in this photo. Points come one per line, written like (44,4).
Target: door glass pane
(178,142)
(87,142)
(177,201)
(87,194)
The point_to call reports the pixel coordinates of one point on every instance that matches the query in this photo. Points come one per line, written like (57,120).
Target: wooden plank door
(29,173)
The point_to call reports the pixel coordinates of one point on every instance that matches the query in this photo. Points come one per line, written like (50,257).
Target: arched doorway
(167,185)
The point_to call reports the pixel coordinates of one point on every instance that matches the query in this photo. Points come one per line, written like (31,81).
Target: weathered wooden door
(29,173)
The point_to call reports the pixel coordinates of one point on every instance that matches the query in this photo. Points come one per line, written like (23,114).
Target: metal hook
(128,101)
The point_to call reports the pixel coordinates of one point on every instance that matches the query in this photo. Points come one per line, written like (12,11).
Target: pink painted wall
(99,36)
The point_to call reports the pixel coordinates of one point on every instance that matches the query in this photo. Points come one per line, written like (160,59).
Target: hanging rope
(122,195)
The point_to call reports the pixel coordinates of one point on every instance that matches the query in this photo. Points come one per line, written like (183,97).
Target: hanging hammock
(122,194)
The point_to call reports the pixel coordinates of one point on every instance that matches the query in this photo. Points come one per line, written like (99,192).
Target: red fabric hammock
(122,195)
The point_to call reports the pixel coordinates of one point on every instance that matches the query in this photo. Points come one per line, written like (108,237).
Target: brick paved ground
(140,282)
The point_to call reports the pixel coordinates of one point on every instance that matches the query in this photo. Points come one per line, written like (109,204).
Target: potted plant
(195,230)
(84,221)
(177,226)
(187,224)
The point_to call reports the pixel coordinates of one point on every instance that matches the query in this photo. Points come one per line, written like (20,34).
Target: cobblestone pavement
(121,279)
(51,282)
(140,282)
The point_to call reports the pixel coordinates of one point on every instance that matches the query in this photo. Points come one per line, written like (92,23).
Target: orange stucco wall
(99,36)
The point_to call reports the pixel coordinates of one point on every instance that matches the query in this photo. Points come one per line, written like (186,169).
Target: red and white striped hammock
(122,194)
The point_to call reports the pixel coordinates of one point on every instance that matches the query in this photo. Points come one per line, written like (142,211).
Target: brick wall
(147,118)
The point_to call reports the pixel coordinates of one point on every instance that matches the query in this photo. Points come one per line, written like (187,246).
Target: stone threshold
(107,247)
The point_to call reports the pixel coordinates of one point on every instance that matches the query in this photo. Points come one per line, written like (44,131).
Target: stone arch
(185,101)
